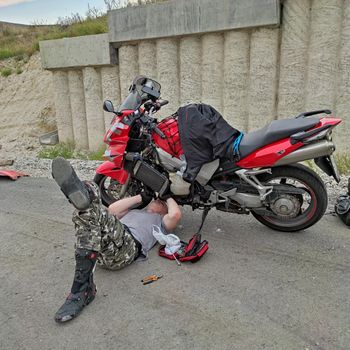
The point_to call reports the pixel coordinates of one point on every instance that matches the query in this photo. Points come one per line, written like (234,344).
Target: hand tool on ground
(150,279)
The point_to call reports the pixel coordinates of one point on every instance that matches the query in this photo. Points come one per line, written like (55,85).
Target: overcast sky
(46,11)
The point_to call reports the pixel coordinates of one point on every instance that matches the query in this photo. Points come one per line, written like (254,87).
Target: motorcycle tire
(315,188)
(109,196)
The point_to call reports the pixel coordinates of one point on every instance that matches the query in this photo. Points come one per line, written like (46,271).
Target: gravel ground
(37,167)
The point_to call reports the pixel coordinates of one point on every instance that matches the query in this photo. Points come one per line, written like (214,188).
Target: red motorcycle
(267,181)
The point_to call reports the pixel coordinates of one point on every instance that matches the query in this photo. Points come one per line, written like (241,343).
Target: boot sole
(87,302)
(69,183)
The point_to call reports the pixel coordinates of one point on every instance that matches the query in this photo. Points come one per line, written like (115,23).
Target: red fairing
(117,138)
(118,130)
(109,169)
(328,121)
(268,155)
(172,143)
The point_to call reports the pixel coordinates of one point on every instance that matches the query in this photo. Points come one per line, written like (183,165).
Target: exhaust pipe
(314,150)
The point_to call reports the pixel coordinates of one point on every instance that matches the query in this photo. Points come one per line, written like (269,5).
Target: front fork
(124,188)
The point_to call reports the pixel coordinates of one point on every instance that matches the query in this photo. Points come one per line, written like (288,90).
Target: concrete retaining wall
(251,75)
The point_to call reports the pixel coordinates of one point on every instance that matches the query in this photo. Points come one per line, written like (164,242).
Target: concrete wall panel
(88,50)
(77,103)
(184,17)
(326,18)
(212,73)
(148,59)
(93,105)
(168,74)
(263,75)
(236,75)
(190,70)
(342,132)
(110,90)
(293,59)
(128,67)
(251,75)
(63,109)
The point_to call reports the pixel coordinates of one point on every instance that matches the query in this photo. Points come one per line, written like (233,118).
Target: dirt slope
(26,108)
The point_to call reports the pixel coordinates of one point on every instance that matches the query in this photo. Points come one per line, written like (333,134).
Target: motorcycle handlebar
(163,103)
(159,132)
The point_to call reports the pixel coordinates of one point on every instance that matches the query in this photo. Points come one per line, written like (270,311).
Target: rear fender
(109,169)
(327,164)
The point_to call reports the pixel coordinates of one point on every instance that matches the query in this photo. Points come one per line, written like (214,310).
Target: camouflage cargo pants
(98,230)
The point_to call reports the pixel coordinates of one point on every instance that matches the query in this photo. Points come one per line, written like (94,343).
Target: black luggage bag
(342,206)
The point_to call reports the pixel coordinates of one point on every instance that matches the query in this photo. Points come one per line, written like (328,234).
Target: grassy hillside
(17,40)
(20,40)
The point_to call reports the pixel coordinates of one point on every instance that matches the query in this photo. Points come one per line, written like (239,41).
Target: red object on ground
(12,174)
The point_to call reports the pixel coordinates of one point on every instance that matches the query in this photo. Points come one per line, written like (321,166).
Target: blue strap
(236,143)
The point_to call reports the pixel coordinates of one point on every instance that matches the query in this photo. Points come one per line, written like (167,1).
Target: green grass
(5,72)
(343,163)
(65,150)
(24,42)
(68,151)
(96,155)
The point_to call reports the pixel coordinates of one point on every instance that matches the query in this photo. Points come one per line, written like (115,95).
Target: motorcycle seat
(275,131)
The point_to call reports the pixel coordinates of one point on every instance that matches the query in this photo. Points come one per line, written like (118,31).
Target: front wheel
(294,212)
(111,190)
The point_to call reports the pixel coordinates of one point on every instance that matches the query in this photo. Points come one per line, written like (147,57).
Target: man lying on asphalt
(113,238)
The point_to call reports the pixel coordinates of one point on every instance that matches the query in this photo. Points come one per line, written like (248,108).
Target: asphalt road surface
(254,289)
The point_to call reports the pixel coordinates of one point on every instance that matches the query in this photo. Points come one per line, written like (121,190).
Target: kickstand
(204,216)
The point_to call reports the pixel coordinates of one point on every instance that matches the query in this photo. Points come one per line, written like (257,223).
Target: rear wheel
(294,212)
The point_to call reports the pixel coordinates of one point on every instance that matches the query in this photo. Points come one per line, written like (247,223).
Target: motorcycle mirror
(108,106)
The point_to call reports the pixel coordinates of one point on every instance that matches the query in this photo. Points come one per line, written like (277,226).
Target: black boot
(73,188)
(83,289)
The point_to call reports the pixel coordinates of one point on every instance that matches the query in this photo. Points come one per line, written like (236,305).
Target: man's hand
(121,207)
(146,197)
(166,195)
(173,217)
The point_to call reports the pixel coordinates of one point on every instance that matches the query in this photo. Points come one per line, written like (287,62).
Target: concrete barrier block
(326,19)
(190,56)
(212,72)
(168,74)
(148,59)
(89,50)
(110,90)
(342,132)
(77,102)
(63,108)
(236,78)
(293,57)
(93,106)
(128,67)
(263,77)
(184,17)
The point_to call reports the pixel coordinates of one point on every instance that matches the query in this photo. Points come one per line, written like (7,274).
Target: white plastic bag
(172,242)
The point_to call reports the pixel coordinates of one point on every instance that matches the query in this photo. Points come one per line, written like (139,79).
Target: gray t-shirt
(140,224)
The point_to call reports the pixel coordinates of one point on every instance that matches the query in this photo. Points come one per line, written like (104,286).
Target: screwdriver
(150,279)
